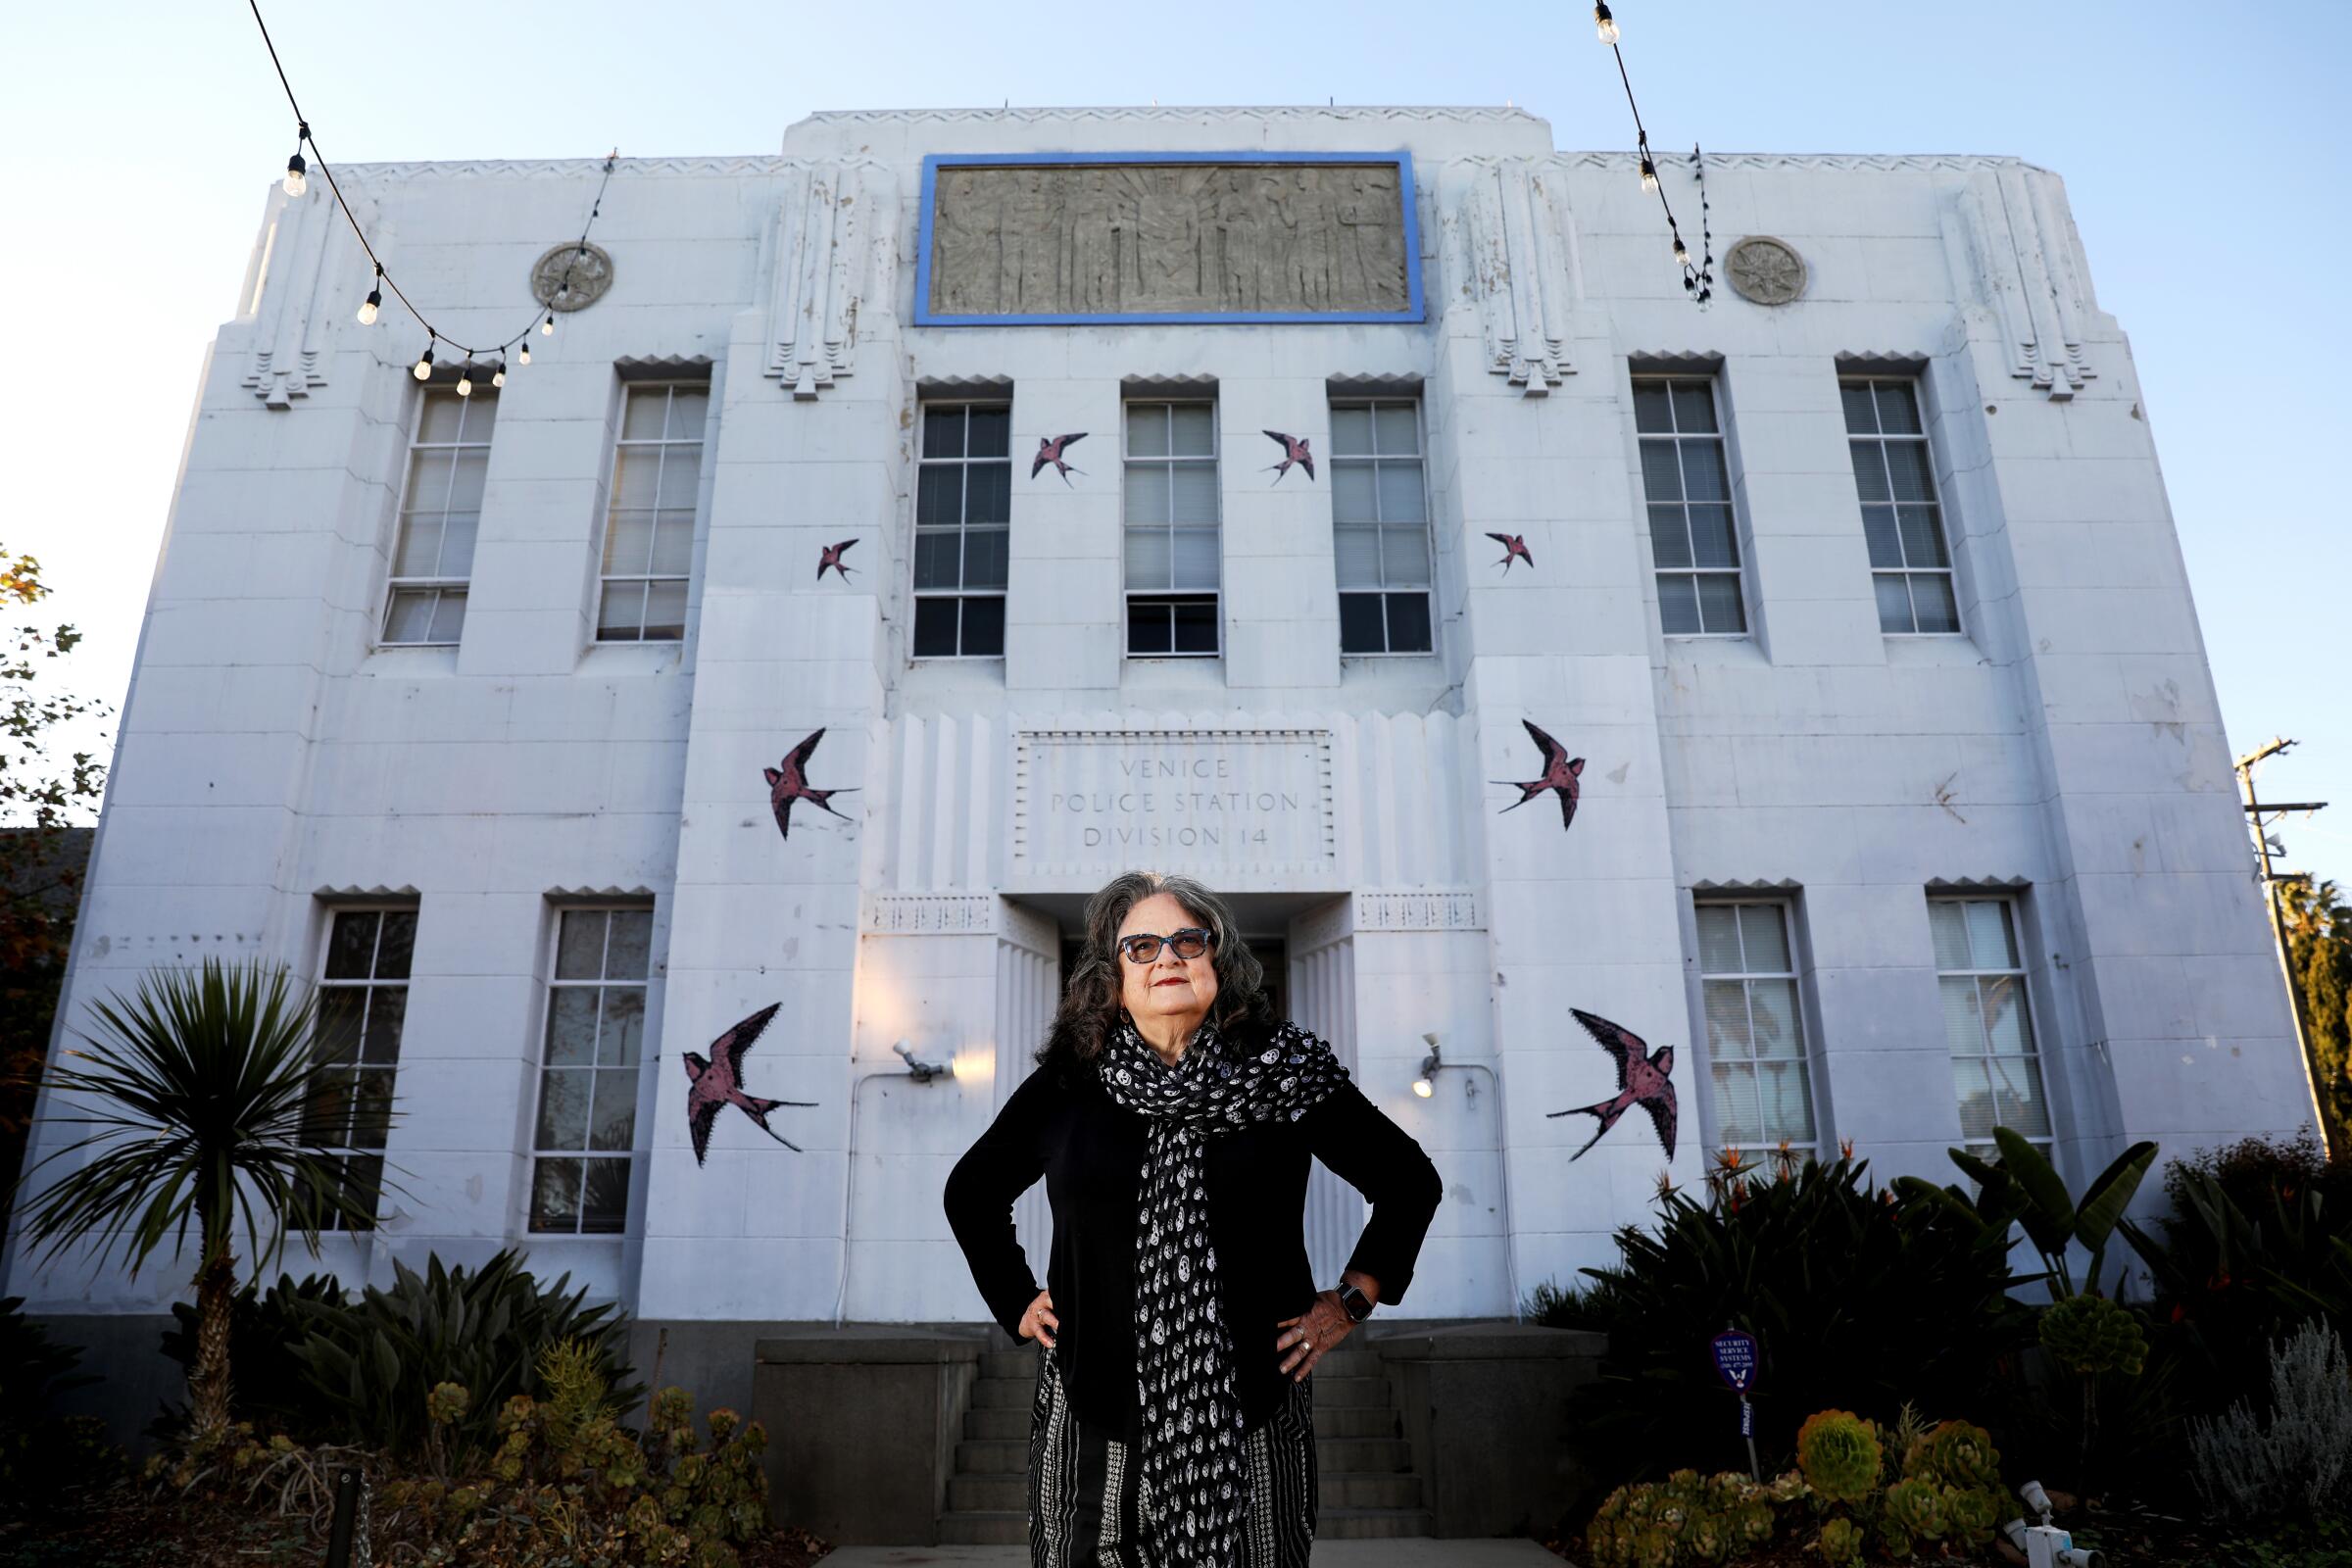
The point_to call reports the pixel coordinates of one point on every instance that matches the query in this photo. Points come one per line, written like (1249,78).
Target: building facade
(899,536)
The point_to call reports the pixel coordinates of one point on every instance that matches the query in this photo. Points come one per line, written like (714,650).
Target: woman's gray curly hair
(1090,1003)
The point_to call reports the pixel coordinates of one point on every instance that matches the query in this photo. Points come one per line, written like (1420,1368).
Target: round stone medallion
(572,276)
(1765,269)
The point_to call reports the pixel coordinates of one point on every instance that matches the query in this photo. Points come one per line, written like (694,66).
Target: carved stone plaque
(1273,239)
(572,276)
(1095,802)
(1766,271)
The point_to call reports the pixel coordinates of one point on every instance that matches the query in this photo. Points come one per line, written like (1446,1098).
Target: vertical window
(1380,527)
(1996,1066)
(363,1002)
(440,511)
(648,533)
(1172,550)
(962,524)
(1755,1032)
(1688,485)
(589,1071)
(1909,567)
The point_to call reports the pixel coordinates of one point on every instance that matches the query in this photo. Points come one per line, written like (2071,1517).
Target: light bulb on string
(466,380)
(425,364)
(523,352)
(1649,176)
(547,328)
(498,373)
(297,172)
(1604,24)
(374,303)
(1682,252)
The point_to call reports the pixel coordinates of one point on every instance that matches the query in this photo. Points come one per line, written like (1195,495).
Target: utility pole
(2270,891)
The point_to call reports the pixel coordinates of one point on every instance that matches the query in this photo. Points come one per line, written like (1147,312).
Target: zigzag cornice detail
(583,894)
(352,892)
(1463,114)
(1734,884)
(541,168)
(1968,162)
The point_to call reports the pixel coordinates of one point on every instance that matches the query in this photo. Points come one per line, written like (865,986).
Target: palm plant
(203,1094)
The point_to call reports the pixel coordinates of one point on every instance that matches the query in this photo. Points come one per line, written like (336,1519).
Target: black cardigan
(1091,1152)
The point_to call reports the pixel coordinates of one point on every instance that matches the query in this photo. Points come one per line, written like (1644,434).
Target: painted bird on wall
(1561,773)
(790,783)
(1293,450)
(718,1083)
(1049,449)
(830,557)
(1514,548)
(1643,1078)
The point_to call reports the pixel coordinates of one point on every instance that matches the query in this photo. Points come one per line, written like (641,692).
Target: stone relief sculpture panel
(1116,239)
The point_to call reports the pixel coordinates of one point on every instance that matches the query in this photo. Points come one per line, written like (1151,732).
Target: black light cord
(1698,275)
(434,334)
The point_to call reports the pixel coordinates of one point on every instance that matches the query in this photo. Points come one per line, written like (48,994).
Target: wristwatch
(1357,1303)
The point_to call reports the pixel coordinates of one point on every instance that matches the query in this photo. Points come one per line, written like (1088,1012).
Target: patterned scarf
(1192,1418)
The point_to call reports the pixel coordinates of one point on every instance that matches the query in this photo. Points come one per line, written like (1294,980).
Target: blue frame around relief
(924,316)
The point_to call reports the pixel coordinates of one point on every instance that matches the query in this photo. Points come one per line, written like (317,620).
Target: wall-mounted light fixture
(1425,1084)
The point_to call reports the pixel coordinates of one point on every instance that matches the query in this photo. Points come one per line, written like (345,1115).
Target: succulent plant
(1970,1512)
(1958,1453)
(1916,1506)
(1840,1542)
(2090,1333)
(1839,1454)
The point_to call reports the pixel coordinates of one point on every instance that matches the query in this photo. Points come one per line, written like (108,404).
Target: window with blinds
(1380,527)
(1988,1019)
(362,1007)
(591,1059)
(1894,473)
(1694,545)
(648,530)
(440,514)
(1756,1046)
(1172,544)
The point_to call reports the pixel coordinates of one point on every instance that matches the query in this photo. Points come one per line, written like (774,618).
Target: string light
(1694,278)
(297,172)
(297,182)
(466,380)
(1699,282)
(547,328)
(523,352)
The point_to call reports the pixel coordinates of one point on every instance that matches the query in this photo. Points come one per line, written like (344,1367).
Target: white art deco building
(1231,492)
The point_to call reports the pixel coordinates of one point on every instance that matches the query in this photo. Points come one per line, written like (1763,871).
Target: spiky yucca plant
(195,1091)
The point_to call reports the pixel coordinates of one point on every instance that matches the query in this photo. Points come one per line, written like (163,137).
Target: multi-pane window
(1996,1066)
(590,1070)
(1910,568)
(1688,485)
(440,513)
(1380,527)
(1172,552)
(363,1002)
(962,524)
(648,533)
(1755,1031)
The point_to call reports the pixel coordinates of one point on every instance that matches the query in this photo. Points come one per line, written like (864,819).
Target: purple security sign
(1735,1359)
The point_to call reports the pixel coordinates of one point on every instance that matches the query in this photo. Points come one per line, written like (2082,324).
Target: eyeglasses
(1144,946)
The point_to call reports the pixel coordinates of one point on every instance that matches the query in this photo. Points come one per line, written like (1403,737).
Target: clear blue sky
(2203,147)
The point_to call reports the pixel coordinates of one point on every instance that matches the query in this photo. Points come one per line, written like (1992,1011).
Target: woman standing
(1172,1117)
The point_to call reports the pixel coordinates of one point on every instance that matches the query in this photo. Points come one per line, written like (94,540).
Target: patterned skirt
(1090,1507)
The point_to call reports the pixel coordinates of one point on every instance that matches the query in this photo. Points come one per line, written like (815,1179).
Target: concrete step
(996,1421)
(1355,1524)
(995,1393)
(1345,1393)
(1354,1421)
(1401,1493)
(996,1526)
(988,1495)
(1374,1456)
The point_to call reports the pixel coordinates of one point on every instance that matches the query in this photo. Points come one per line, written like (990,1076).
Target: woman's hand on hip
(1039,1323)
(1303,1339)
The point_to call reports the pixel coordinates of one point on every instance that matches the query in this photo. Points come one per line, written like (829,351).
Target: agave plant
(195,1091)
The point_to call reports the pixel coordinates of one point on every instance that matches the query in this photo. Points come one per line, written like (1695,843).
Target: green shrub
(1856,1302)
(43,1455)
(271,1390)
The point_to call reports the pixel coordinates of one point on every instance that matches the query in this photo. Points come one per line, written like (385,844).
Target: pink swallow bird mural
(718,1083)
(790,783)
(1644,1078)
(1050,450)
(1561,773)
(1293,450)
(1514,548)
(829,559)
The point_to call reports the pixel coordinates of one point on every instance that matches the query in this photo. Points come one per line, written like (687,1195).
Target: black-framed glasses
(1144,946)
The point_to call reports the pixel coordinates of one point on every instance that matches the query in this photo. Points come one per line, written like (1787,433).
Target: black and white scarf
(1191,1416)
